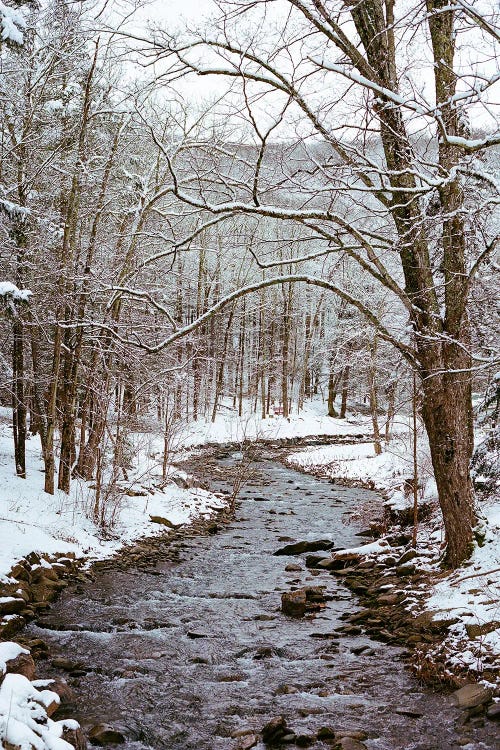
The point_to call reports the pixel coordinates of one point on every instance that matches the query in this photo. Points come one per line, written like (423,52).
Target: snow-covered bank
(230,428)
(390,472)
(31,520)
(26,705)
(468,600)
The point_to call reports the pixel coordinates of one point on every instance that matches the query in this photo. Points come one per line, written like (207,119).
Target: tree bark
(372,379)
(18,398)
(345,390)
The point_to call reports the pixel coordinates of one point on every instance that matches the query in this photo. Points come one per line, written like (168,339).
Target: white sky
(174,14)
(174,11)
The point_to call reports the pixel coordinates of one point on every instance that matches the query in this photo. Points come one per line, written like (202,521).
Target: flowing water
(183,654)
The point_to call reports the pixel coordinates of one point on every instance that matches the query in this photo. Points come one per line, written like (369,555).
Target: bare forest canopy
(322,227)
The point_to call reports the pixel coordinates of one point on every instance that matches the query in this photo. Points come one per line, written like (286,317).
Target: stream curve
(191,650)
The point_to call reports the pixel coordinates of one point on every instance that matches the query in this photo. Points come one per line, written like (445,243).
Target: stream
(187,651)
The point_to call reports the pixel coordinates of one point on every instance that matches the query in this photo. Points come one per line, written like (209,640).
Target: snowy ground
(31,520)
(471,595)
(229,428)
(386,472)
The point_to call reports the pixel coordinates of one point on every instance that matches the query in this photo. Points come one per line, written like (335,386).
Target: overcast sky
(180,13)
(174,11)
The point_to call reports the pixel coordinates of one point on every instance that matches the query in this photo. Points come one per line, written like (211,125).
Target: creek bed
(184,652)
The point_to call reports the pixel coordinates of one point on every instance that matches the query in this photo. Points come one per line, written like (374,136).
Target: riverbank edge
(38,579)
(422,635)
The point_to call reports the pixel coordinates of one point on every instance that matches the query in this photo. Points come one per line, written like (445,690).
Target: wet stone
(245,743)
(299,548)
(274,731)
(105,734)
(294,603)
(493,712)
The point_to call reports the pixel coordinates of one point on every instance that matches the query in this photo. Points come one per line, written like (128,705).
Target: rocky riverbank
(33,584)
(394,584)
(380,584)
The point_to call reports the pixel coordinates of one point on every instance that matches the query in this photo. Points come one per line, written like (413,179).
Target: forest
(277,221)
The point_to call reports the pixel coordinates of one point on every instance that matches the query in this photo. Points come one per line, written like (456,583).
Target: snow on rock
(373,548)
(8,652)
(472,596)
(24,720)
(12,24)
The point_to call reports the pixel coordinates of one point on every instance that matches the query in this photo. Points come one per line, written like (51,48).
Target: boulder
(475,630)
(274,731)
(10,605)
(46,590)
(315,594)
(313,561)
(164,522)
(304,740)
(326,733)
(349,743)
(22,664)
(294,603)
(493,712)
(20,572)
(245,743)
(406,557)
(472,695)
(75,737)
(66,695)
(300,547)
(10,625)
(408,569)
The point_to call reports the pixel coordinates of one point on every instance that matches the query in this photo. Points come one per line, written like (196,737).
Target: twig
(475,575)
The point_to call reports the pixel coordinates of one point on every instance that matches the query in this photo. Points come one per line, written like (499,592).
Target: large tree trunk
(68,399)
(220,372)
(51,413)
(285,347)
(441,340)
(447,415)
(331,395)
(345,391)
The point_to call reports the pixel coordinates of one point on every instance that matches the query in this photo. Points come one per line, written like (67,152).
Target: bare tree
(385,181)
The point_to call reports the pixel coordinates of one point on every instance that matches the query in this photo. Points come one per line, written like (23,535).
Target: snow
(229,428)
(12,23)
(31,520)
(386,472)
(9,290)
(9,651)
(24,722)
(14,210)
(365,549)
